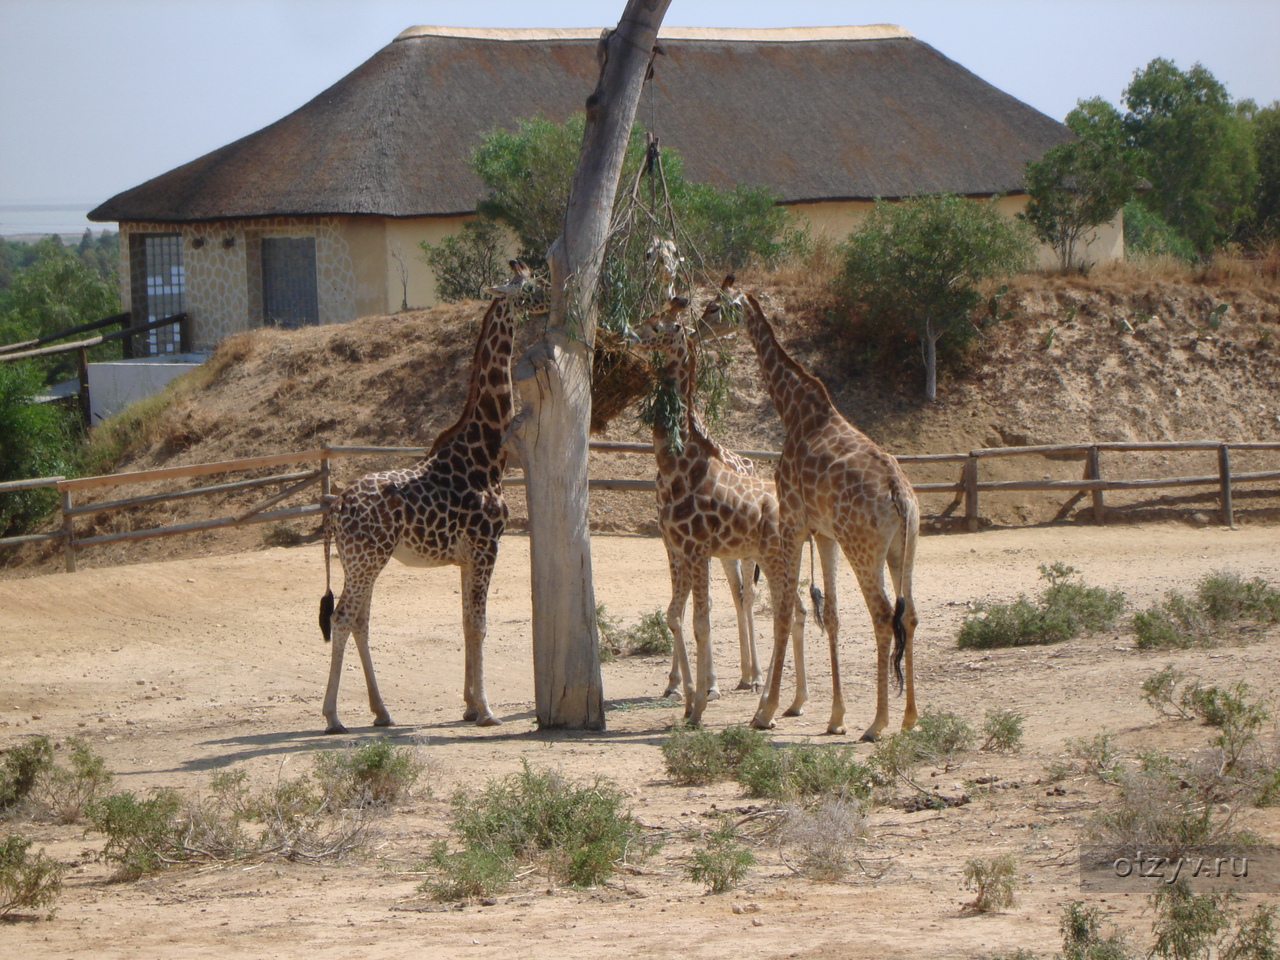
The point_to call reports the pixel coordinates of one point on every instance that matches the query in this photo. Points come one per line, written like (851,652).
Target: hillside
(1110,357)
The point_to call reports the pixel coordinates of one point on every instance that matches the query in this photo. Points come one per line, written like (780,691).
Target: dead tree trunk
(554,379)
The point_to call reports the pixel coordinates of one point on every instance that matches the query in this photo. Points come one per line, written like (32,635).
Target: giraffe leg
(829,554)
(681,584)
(881,610)
(783,573)
(475,596)
(702,641)
(351,617)
(797,648)
(742,590)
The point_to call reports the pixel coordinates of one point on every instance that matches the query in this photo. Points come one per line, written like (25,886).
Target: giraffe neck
(487,411)
(681,370)
(799,397)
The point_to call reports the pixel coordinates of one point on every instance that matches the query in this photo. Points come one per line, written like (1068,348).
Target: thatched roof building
(828,118)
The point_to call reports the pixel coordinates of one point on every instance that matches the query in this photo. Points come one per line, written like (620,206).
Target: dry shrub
(824,837)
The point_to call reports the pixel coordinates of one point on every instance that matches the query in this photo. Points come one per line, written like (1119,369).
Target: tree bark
(554,379)
(930,345)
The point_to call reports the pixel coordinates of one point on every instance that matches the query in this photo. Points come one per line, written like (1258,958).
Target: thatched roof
(832,113)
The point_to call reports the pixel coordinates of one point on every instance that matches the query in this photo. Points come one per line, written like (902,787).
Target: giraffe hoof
(488,720)
(672,694)
(759,724)
(713,694)
(754,687)
(470,714)
(384,721)
(871,736)
(835,729)
(335,727)
(794,711)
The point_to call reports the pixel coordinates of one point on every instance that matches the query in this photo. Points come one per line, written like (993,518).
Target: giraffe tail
(326,602)
(902,505)
(899,641)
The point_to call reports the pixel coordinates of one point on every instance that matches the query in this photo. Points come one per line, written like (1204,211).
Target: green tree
(1195,149)
(36,440)
(916,266)
(1078,186)
(56,292)
(526,176)
(467,262)
(1264,224)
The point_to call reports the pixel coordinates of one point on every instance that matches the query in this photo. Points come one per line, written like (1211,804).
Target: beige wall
(222,269)
(838,220)
(374,265)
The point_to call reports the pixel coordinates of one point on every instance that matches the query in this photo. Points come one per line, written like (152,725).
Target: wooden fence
(965,490)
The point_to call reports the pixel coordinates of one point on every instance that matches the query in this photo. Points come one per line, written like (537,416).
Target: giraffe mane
(473,387)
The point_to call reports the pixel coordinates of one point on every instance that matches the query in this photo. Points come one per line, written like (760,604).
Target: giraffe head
(663,332)
(522,288)
(721,313)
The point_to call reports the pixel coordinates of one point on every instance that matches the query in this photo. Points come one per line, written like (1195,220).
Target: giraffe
(835,484)
(446,509)
(710,504)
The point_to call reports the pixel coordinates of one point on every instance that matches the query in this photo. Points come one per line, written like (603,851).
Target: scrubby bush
(804,771)
(1002,731)
(21,769)
(697,755)
(581,831)
(378,773)
(721,863)
(648,637)
(993,879)
(68,792)
(466,874)
(823,837)
(1202,926)
(27,881)
(142,835)
(1222,600)
(1064,609)
(1082,937)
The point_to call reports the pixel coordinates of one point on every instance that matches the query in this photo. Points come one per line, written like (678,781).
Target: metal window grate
(158,283)
(289,297)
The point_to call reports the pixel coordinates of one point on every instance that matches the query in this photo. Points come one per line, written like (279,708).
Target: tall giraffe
(836,484)
(710,504)
(446,509)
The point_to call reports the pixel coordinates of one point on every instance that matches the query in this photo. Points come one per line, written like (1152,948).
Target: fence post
(126,343)
(184,334)
(83,358)
(68,532)
(1093,471)
(970,478)
(1224,480)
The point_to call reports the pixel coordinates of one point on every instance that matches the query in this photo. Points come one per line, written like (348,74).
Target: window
(157,284)
(289,282)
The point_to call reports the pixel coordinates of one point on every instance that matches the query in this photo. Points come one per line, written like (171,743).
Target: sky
(97,96)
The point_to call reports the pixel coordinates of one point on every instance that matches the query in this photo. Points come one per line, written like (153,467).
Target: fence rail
(965,490)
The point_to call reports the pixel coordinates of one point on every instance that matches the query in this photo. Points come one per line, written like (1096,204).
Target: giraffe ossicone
(447,509)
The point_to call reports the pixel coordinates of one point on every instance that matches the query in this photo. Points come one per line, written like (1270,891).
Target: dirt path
(175,669)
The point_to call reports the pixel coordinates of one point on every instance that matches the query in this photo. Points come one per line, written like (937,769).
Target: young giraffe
(447,508)
(836,484)
(710,504)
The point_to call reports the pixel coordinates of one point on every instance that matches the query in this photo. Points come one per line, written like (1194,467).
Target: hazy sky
(97,96)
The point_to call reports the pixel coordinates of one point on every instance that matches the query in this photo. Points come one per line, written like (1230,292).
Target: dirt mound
(1098,359)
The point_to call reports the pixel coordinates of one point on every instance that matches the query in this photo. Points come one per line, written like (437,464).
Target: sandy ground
(175,669)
